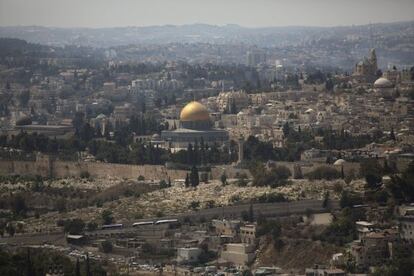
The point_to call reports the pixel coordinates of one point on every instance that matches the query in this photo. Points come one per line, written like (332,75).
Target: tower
(373,61)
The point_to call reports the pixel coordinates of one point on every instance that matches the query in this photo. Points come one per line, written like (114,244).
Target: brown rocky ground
(295,255)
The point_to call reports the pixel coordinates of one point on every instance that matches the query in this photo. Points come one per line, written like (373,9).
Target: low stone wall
(231,172)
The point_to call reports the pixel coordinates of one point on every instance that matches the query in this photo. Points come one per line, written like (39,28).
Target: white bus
(166,221)
(112,226)
(142,223)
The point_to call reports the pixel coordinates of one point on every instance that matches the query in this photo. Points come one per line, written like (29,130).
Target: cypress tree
(187,181)
(77,268)
(194,178)
(88,266)
(30,271)
(392,134)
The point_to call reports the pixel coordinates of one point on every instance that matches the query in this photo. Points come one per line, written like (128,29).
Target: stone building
(373,249)
(239,254)
(232,102)
(406,226)
(226,227)
(195,126)
(248,234)
(188,255)
(367,68)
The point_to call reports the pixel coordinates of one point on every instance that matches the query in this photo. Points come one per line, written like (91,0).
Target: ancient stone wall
(46,167)
(59,169)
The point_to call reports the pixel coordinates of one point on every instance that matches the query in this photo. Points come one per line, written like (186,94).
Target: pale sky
(251,13)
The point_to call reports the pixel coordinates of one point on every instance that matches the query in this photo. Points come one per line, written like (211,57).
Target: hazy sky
(253,13)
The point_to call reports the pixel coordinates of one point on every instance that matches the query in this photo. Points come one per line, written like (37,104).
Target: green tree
(274,177)
(74,226)
(324,172)
(392,135)
(10,229)
(106,246)
(19,206)
(78,121)
(163,184)
(107,217)
(88,266)
(92,226)
(223,179)
(187,180)
(345,200)
(325,202)
(372,171)
(60,205)
(194,178)
(251,213)
(194,205)
(77,268)
(402,186)
(24,98)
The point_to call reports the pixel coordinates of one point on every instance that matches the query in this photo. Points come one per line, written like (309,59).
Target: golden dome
(194,111)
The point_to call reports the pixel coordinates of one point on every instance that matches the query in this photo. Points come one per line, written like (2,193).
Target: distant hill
(17,47)
(203,33)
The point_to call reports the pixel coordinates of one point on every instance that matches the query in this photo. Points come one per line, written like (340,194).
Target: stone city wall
(46,167)
(60,169)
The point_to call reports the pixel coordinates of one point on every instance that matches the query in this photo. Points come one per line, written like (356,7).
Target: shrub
(342,229)
(106,246)
(275,177)
(210,204)
(348,199)
(84,174)
(99,203)
(138,216)
(235,198)
(270,198)
(163,184)
(323,172)
(92,226)
(242,180)
(60,222)
(107,217)
(194,205)
(74,226)
(60,205)
(337,188)
(204,177)
(223,179)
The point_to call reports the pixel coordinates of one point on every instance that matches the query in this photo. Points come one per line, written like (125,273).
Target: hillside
(295,254)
